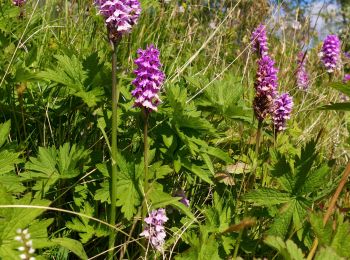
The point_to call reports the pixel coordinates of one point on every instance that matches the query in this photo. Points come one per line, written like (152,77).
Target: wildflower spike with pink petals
(155,231)
(259,40)
(265,86)
(120,15)
(330,54)
(302,75)
(283,105)
(149,79)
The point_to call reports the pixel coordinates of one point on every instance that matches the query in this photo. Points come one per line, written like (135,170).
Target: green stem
(251,178)
(258,135)
(145,159)
(113,183)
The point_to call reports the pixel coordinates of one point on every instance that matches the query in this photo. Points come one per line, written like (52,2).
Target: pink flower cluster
(302,75)
(283,105)
(259,40)
(265,87)
(149,79)
(330,54)
(154,231)
(120,15)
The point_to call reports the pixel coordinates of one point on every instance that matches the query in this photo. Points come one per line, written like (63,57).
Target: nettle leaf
(267,197)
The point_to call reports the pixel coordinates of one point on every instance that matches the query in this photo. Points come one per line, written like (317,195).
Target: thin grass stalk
(113,183)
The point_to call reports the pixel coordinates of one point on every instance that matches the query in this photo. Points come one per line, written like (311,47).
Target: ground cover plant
(174,129)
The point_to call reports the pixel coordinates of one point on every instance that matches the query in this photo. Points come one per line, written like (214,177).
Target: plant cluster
(145,130)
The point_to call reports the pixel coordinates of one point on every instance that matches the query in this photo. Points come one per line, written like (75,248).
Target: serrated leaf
(267,196)
(316,180)
(323,232)
(340,242)
(8,161)
(4,132)
(282,220)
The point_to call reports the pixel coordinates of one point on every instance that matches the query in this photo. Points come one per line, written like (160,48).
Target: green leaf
(323,233)
(327,253)
(342,87)
(4,132)
(282,220)
(8,161)
(159,171)
(128,187)
(289,250)
(316,180)
(267,196)
(201,173)
(340,242)
(345,106)
(73,245)
(160,199)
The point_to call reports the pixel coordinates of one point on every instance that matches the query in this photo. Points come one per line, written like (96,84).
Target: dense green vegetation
(253,192)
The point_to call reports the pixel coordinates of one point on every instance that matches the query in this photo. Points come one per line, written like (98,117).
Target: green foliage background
(55,104)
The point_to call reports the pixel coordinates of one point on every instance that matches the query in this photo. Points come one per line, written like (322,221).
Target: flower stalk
(114,152)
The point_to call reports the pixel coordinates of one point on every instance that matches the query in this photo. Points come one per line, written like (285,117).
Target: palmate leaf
(8,160)
(185,115)
(70,73)
(51,165)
